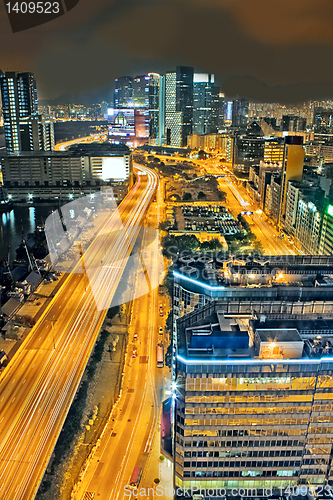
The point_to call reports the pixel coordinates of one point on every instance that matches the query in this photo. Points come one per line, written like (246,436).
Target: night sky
(278,51)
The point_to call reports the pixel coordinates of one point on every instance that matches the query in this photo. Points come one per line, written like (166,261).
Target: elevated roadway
(40,382)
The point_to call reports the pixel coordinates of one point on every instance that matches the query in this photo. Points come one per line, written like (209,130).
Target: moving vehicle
(135,477)
(160,330)
(134,352)
(135,337)
(159,356)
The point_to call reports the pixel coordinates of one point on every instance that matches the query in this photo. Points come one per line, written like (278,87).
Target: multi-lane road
(128,436)
(39,384)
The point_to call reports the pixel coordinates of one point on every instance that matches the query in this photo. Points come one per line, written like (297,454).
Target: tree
(168,323)
(201,195)
(174,245)
(201,155)
(187,196)
(211,245)
(164,226)
(168,356)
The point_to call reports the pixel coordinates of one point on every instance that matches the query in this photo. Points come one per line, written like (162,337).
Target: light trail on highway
(39,384)
(128,435)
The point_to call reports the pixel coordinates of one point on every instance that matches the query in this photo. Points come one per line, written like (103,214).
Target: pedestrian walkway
(157,469)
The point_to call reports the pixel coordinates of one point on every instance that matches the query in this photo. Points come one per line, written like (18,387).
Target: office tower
(205,104)
(19,100)
(184,99)
(292,169)
(173,118)
(240,112)
(144,93)
(123,92)
(252,405)
(249,147)
(178,106)
(221,110)
(140,91)
(156,109)
(292,123)
(36,133)
(228,105)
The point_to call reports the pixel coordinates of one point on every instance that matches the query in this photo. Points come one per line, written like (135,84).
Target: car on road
(160,330)
(134,352)
(135,337)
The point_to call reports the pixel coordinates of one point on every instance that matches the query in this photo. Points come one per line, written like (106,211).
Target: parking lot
(208,218)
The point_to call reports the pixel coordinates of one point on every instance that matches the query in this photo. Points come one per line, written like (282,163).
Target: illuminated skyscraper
(178,106)
(144,93)
(19,100)
(205,104)
(123,92)
(156,109)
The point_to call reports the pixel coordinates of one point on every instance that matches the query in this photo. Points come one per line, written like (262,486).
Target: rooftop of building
(78,150)
(210,335)
(224,270)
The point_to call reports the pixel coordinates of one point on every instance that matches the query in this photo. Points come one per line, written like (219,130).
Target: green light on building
(330,210)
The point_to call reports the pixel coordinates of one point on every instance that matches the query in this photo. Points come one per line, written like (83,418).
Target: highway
(127,437)
(40,382)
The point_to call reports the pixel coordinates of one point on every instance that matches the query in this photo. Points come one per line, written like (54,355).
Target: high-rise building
(205,104)
(144,93)
(221,110)
(123,92)
(240,112)
(19,101)
(36,133)
(292,169)
(173,118)
(140,91)
(156,109)
(178,106)
(184,99)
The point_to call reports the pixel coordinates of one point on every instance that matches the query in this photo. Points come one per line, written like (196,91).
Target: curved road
(40,382)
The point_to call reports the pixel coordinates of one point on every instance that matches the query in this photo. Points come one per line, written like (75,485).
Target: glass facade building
(19,100)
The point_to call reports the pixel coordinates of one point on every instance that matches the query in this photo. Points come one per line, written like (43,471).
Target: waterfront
(17,222)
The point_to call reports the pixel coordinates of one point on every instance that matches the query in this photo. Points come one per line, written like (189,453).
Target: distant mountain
(84,99)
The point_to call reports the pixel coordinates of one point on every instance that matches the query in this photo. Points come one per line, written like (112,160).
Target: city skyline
(243,47)
(166,250)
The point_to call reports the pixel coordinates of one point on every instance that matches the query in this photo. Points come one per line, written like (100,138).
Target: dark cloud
(271,51)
